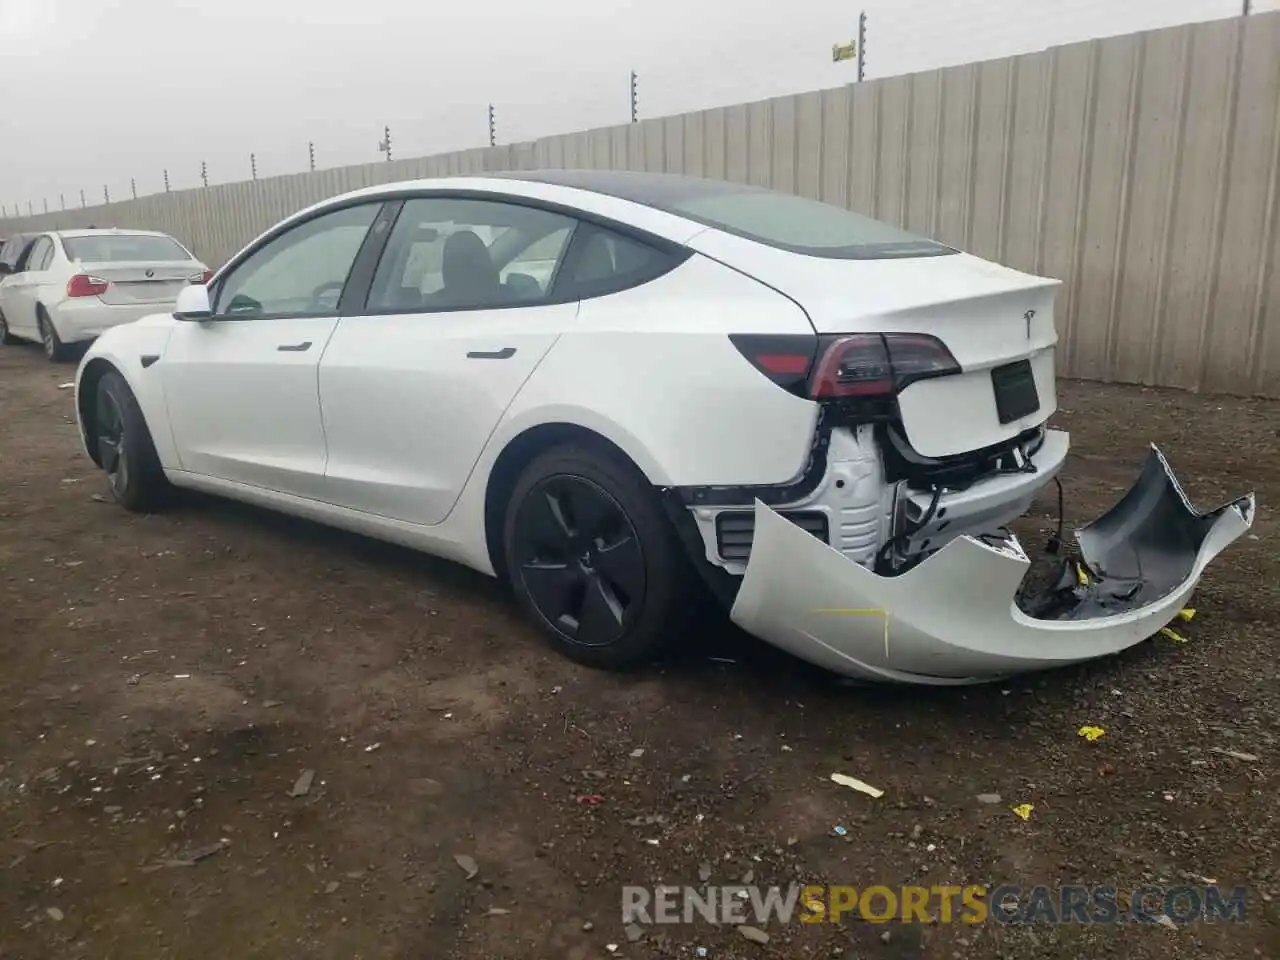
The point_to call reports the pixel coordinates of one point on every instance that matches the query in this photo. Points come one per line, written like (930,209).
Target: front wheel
(592,557)
(7,339)
(124,447)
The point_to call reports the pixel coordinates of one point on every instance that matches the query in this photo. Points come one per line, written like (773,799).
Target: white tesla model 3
(618,390)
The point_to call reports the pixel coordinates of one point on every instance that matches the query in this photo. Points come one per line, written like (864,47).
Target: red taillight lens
(201,278)
(783,358)
(917,355)
(84,285)
(867,365)
(855,366)
(878,364)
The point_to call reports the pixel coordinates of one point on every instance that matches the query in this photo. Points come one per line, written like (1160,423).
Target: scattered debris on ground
(855,784)
(302,786)
(468,864)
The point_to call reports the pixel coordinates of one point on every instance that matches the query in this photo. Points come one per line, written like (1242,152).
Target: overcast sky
(98,91)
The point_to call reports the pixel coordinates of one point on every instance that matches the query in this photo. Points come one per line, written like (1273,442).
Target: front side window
(300,273)
(12,251)
(123,248)
(451,253)
(17,253)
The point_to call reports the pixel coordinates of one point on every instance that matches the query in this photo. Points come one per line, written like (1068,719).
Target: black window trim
(359,281)
(372,237)
(672,254)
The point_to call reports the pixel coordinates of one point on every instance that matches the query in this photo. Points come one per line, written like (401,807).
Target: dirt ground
(164,681)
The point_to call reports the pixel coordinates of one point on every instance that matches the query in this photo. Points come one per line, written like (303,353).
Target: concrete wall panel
(1197,203)
(760,143)
(810,112)
(836,134)
(1233,324)
(958,98)
(923,136)
(893,124)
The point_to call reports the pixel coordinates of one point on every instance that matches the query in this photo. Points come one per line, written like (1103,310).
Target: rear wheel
(54,348)
(124,447)
(592,557)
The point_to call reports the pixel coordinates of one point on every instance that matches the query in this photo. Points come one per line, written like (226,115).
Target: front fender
(129,349)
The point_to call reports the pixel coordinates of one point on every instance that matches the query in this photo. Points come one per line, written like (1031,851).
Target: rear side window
(123,248)
(40,254)
(602,261)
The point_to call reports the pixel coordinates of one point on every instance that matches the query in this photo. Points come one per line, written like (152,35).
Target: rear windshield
(765,216)
(123,247)
(802,226)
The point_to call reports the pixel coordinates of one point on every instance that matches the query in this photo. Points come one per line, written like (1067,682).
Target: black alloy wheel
(117,432)
(579,560)
(109,433)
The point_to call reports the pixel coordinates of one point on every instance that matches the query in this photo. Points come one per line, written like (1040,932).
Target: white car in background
(610,388)
(71,285)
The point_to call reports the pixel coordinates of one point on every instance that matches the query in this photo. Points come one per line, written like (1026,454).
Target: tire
(7,339)
(54,349)
(594,560)
(125,449)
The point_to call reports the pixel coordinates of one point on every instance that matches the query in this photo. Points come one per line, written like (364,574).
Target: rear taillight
(783,358)
(84,285)
(878,364)
(857,365)
(201,278)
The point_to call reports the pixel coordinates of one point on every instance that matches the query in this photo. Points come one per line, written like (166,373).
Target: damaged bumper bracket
(955,617)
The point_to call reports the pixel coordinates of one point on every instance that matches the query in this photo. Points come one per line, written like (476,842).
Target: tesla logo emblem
(150,273)
(1029,316)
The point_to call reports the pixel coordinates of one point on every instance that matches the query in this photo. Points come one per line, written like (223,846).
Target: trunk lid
(997,323)
(142,282)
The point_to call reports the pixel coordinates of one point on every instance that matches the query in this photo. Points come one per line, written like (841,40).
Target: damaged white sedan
(618,389)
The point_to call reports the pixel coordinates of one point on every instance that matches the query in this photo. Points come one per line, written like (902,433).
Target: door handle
(505,353)
(294,347)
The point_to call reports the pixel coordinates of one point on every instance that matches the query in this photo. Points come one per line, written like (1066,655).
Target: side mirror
(193,304)
(5,269)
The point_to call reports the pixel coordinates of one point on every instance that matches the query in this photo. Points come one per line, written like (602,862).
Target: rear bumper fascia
(89,318)
(954,619)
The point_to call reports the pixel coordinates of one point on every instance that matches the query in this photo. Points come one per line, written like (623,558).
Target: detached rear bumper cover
(953,618)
